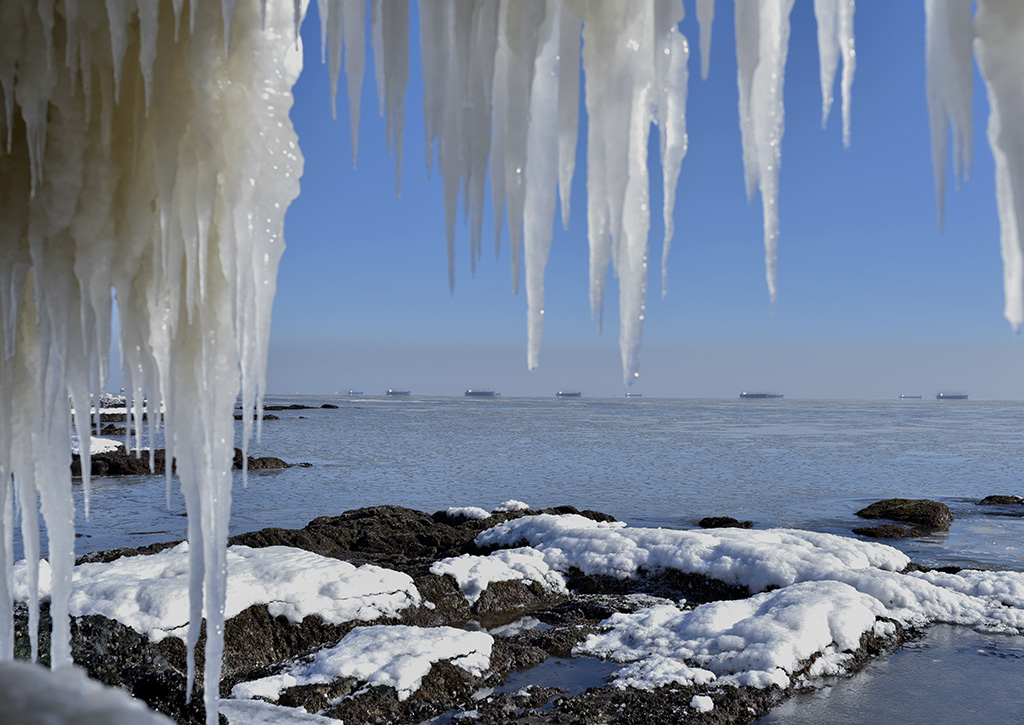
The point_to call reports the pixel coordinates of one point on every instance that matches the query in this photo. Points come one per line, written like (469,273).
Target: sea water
(808,464)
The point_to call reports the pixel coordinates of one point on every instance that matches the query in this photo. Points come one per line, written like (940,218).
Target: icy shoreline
(697,619)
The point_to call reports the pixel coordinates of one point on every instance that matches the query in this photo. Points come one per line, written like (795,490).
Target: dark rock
(117,656)
(266,416)
(514,598)
(724,522)
(888,531)
(120,462)
(293,406)
(998,500)
(257,464)
(668,583)
(329,406)
(923,512)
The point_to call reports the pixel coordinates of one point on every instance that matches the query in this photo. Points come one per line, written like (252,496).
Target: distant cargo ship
(392,392)
(910,397)
(759,396)
(564,394)
(951,396)
(355,392)
(634,395)
(476,393)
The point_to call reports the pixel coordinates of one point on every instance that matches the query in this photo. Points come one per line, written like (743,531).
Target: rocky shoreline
(551,624)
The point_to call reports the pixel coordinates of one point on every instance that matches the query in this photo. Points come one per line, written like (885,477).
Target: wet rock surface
(889,531)
(724,522)
(923,513)
(1001,500)
(530,624)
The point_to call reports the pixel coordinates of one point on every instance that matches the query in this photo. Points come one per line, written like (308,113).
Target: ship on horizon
(951,396)
(567,394)
(759,396)
(909,397)
(393,392)
(478,393)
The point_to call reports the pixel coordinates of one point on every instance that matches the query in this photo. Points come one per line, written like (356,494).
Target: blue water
(796,463)
(653,462)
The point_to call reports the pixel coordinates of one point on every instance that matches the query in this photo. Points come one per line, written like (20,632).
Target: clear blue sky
(873,300)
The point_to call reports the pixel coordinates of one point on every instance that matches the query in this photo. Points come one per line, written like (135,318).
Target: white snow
(510,505)
(396,656)
(258,712)
(34,694)
(753,558)
(818,594)
(702,703)
(475,573)
(149,593)
(468,512)
(96,445)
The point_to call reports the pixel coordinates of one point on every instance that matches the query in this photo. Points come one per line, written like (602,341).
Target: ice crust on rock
(815,595)
(149,593)
(397,656)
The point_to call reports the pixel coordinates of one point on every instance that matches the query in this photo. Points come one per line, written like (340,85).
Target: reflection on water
(951,675)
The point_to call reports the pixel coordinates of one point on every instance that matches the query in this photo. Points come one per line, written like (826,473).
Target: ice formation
(35,695)
(146,154)
(148,150)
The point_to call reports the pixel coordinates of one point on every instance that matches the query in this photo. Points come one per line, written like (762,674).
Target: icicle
(481,80)
(999,25)
(568,104)
(769,125)
(518,33)
(332,20)
(748,55)
(949,33)
(390,28)
(542,170)
(706,16)
(355,63)
(848,52)
(672,54)
(825,12)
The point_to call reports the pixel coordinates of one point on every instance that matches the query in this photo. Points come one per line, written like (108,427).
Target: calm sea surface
(655,462)
(807,464)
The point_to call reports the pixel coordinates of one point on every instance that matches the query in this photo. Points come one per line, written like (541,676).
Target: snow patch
(150,593)
(467,512)
(475,573)
(397,656)
(510,505)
